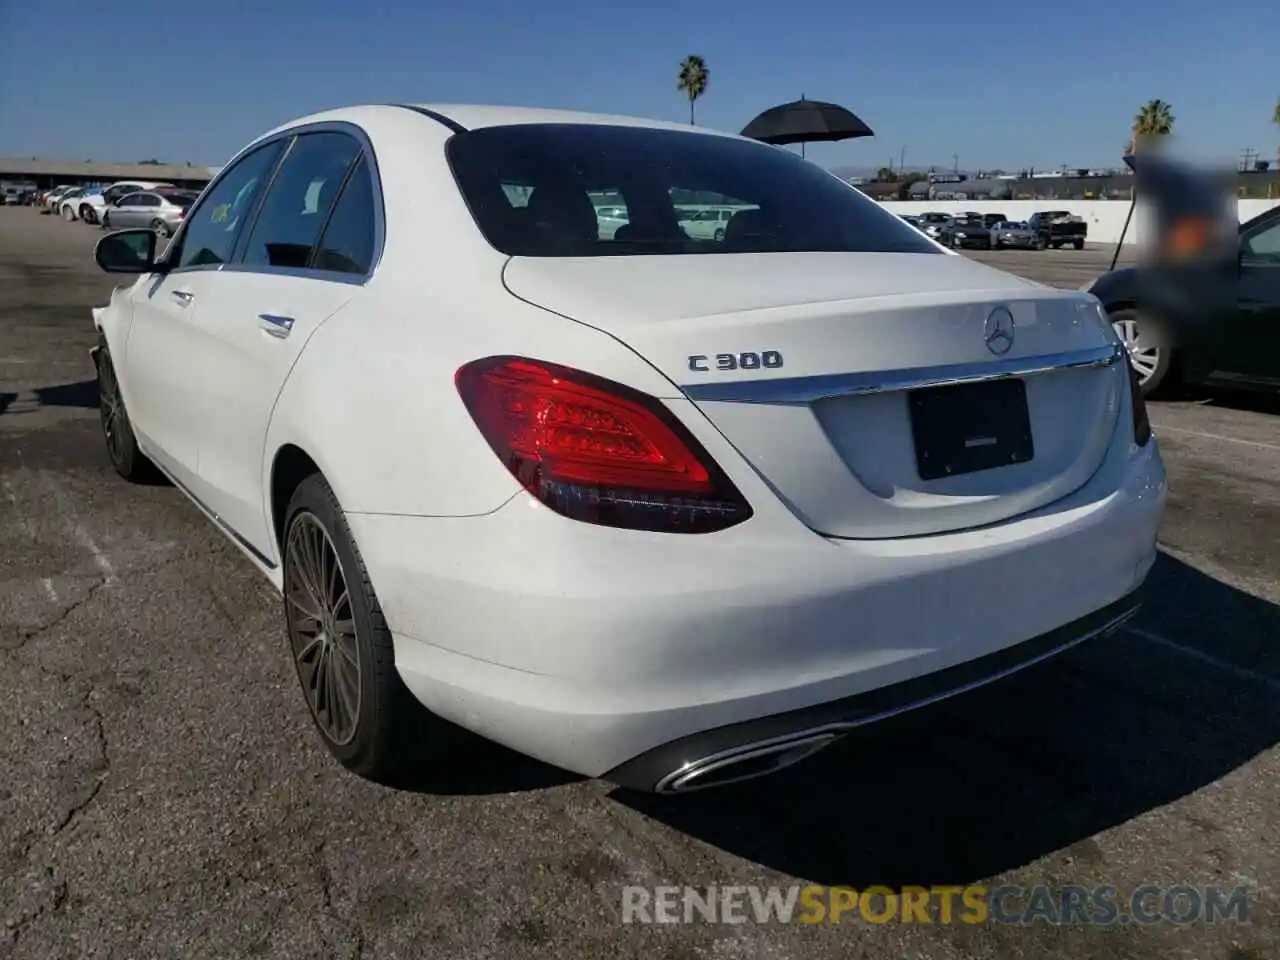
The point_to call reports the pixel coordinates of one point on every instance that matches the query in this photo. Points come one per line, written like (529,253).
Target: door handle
(183,296)
(278,326)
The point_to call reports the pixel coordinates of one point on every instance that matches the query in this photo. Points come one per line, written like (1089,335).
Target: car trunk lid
(827,371)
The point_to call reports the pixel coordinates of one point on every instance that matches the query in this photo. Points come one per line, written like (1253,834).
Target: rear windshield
(178,198)
(546,190)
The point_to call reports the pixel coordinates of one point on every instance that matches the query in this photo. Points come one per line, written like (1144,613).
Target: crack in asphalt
(27,635)
(92,794)
(99,768)
(325,876)
(16,925)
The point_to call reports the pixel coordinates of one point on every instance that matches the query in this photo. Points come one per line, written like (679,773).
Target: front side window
(780,202)
(212,229)
(299,199)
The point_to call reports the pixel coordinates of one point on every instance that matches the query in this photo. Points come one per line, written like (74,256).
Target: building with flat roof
(46,174)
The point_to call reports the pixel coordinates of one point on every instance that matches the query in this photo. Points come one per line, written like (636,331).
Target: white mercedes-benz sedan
(669,510)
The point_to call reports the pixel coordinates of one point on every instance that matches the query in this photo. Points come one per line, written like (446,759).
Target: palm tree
(692,79)
(1154,120)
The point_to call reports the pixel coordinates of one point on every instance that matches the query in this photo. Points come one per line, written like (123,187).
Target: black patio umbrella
(806,121)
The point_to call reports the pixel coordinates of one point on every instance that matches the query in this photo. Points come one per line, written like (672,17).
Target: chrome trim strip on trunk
(804,390)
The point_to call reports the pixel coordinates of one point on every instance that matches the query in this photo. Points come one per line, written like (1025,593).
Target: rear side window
(299,199)
(780,202)
(348,241)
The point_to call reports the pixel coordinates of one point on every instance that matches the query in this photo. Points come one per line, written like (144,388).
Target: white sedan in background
(90,206)
(672,511)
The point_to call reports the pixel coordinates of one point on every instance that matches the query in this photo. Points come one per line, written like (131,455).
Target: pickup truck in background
(1057,229)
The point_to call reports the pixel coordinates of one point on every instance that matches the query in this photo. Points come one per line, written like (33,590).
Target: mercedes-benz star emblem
(997,332)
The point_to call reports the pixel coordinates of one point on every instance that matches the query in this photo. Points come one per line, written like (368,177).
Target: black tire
(1042,243)
(1164,376)
(386,711)
(1078,244)
(117,431)
(106,221)
(719,236)
(87,214)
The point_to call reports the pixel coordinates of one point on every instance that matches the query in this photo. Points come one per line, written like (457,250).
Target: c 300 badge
(767,360)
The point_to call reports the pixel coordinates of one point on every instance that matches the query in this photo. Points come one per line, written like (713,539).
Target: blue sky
(1016,84)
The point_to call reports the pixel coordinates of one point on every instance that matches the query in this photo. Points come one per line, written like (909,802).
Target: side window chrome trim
(306,273)
(379,204)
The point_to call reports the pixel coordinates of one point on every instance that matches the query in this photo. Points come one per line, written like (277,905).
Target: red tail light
(1141,423)
(596,451)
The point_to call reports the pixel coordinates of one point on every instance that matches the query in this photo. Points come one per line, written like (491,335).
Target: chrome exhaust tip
(744,763)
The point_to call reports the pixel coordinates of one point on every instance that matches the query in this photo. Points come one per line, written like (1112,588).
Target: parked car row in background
(18,194)
(129,203)
(993,231)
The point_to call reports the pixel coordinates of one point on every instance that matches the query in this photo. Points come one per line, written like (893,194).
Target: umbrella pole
(1115,257)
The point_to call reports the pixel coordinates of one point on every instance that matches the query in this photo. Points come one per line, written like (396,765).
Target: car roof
(479,116)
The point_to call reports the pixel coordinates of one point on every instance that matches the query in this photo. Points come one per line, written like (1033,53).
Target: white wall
(1105,217)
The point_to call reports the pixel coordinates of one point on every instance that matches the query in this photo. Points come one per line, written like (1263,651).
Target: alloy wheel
(112,411)
(1145,359)
(322,628)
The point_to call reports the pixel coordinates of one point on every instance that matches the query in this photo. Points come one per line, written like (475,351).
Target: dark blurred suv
(965,232)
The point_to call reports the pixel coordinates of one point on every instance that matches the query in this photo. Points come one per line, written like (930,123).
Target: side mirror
(127,251)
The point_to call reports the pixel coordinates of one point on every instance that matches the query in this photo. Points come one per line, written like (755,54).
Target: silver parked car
(1011,233)
(161,210)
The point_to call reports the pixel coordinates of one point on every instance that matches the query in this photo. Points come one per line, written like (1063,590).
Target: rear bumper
(721,755)
(604,652)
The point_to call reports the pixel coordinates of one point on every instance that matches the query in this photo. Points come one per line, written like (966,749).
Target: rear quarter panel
(372,399)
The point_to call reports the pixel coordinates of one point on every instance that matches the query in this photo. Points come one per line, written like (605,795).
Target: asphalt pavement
(162,793)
